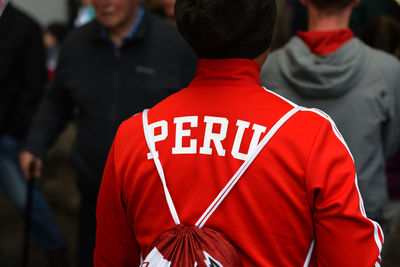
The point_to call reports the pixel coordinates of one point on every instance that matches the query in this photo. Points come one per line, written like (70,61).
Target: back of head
(226,28)
(331,6)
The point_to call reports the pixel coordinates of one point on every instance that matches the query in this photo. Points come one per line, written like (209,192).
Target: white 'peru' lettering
(209,136)
(180,133)
(216,137)
(242,125)
(156,138)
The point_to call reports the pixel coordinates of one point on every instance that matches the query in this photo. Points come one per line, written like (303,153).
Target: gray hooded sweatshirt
(359,88)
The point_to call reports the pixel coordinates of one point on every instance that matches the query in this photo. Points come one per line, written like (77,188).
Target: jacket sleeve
(55,110)
(115,241)
(33,75)
(344,236)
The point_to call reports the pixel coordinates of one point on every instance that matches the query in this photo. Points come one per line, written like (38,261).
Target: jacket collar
(233,72)
(323,43)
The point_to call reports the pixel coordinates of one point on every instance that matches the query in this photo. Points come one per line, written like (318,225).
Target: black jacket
(100,87)
(22,71)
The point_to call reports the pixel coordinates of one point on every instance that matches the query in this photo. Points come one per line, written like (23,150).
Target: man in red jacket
(297,204)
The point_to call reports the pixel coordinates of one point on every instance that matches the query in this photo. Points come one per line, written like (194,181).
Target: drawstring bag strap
(235,178)
(232,182)
(160,170)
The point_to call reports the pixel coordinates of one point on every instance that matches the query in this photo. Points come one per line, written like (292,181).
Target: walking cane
(28,219)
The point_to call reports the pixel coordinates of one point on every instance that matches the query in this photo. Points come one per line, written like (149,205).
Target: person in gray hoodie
(328,68)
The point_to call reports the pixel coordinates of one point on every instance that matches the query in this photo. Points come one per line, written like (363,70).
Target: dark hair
(382,33)
(226,28)
(330,6)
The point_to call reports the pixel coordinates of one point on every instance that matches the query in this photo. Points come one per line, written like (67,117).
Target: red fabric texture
(323,43)
(300,188)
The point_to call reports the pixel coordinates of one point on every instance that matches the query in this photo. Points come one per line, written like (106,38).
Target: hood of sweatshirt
(321,76)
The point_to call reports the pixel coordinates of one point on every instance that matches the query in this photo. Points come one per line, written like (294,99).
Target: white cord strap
(160,170)
(232,182)
(235,178)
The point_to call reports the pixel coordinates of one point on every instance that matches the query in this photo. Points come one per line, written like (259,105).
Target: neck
(262,57)
(320,21)
(118,33)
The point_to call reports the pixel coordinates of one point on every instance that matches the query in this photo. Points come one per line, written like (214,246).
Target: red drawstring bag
(198,246)
(191,246)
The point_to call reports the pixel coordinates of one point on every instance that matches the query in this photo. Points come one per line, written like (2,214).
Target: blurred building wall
(44,11)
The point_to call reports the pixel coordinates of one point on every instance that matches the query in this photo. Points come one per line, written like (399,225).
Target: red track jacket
(297,205)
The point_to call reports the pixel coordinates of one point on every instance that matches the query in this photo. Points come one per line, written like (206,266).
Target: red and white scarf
(3,4)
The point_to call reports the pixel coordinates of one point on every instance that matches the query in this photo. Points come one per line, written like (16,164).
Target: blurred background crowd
(56,33)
